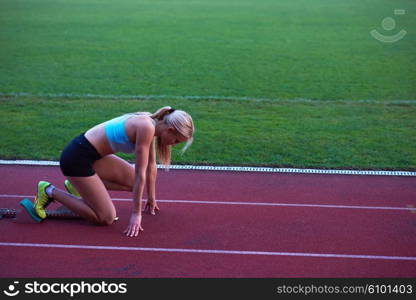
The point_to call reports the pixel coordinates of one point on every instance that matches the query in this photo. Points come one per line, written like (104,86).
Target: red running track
(252,225)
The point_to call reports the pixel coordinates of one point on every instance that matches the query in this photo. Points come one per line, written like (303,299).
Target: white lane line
(239,169)
(205,251)
(251,203)
(205,97)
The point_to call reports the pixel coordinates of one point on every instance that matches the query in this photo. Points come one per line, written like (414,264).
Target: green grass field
(265,133)
(199,56)
(311,49)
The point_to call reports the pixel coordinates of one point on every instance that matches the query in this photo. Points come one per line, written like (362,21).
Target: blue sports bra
(116,135)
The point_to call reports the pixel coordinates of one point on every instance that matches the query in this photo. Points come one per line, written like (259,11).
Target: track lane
(228,227)
(241,186)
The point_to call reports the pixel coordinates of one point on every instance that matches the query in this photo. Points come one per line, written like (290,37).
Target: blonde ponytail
(179,120)
(161,113)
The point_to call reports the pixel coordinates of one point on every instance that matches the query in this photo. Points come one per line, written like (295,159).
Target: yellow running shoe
(70,188)
(42,200)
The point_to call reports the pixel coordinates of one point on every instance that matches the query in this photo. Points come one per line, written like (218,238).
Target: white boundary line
(195,97)
(411,209)
(238,169)
(204,251)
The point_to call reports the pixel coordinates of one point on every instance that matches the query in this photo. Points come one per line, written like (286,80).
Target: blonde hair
(184,125)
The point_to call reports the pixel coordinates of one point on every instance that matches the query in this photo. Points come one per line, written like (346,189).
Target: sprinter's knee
(107,219)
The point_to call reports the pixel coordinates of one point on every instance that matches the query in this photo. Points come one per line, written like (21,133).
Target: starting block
(60,213)
(29,208)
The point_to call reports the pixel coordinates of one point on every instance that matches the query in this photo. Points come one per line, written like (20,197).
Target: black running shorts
(78,157)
